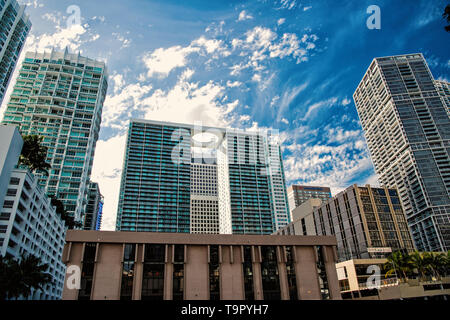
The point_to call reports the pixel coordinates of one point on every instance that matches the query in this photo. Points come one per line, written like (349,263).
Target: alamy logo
(74,279)
(373,282)
(261,148)
(75,16)
(374,20)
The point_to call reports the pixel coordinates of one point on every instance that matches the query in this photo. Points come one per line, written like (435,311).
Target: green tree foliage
(34,154)
(398,263)
(19,277)
(68,220)
(422,264)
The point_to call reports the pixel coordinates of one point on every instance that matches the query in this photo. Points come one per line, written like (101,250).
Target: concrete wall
(107,271)
(10,149)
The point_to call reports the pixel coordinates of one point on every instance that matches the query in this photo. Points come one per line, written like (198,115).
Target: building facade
(444,91)
(357,280)
(406,123)
(14,28)
(94,208)
(28,222)
(175,266)
(302,220)
(59,95)
(10,149)
(367,222)
(298,194)
(188,178)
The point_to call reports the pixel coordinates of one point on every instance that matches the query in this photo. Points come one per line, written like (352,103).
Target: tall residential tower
(406,123)
(14,28)
(188,178)
(60,96)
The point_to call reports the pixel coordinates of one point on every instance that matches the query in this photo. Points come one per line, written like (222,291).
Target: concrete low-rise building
(359,280)
(30,225)
(176,266)
(28,221)
(302,219)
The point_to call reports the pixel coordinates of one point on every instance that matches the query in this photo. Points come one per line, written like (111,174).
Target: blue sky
(289,65)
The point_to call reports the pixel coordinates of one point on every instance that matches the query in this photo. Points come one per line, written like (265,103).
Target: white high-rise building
(189,178)
(405,116)
(59,95)
(14,28)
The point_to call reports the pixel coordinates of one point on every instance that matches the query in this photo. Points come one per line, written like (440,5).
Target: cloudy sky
(289,65)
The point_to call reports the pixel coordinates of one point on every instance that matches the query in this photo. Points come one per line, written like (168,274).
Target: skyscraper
(298,194)
(60,96)
(14,28)
(94,208)
(407,127)
(188,178)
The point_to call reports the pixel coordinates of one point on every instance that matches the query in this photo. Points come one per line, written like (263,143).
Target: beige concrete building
(302,219)
(156,266)
(354,276)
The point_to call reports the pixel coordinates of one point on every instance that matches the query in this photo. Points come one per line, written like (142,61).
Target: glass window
(87,272)
(269,271)
(126,291)
(214,275)
(323,280)
(153,274)
(178,273)
(248,273)
(290,270)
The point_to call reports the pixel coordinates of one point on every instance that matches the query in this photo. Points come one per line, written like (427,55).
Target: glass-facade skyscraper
(405,117)
(59,95)
(188,178)
(14,28)
(298,194)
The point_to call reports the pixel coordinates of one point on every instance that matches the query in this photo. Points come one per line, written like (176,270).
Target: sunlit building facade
(405,116)
(59,95)
(173,182)
(14,28)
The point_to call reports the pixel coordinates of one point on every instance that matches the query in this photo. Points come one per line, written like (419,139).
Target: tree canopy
(34,154)
(19,276)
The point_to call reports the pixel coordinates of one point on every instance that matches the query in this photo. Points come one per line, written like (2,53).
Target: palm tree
(19,277)
(446,16)
(436,263)
(68,220)
(420,262)
(398,263)
(34,154)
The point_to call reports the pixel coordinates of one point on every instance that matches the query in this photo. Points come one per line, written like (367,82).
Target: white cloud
(118,105)
(62,38)
(281,21)
(106,171)
(287,4)
(162,61)
(188,102)
(261,43)
(34,3)
(334,166)
(244,16)
(288,97)
(285,121)
(346,101)
(318,105)
(340,135)
(125,42)
(234,84)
